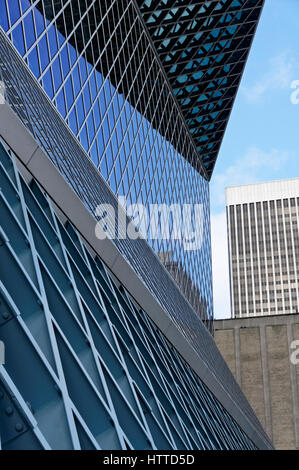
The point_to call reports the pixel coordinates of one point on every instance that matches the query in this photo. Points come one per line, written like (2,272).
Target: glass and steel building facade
(88,78)
(114,353)
(147,87)
(87,367)
(264,247)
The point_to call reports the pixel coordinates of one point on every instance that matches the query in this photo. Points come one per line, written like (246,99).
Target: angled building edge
(92,360)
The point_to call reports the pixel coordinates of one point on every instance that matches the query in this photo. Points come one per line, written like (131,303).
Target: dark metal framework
(95,60)
(115,72)
(33,108)
(203,47)
(88,356)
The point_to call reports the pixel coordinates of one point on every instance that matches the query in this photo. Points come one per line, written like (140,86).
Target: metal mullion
(160,156)
(198,59)
(136,113)
(149,129)
(33,109)
(173,150)
(34,45)
(81,55)
(51,71)
(161,150)
(206,399)
(204,417)
(143,425)
(112,96)
(189,21)
(204,70)
(244,258)
(141,123)
(84,372)
(211,123)
(48,315)
(122,360)
(178,6)
(46,29)
(251,260)
(121,108)
(266,254)
(145,376)
(131,120)
(164,54)
(190,33)
(194,12)
(214,142)
(173,37)
(204,133)
(168,84)
(216,420)
(257,236)
(213,64)
(165,389)
(79,24)
(222,421)
(22,26)
(236,282)
(160,38)
(168,365)
(22,16)
(159,6)
(94,66)
(216,77)
(194,95)
(188,144)
(211,110)
(272,253)
(162,172)
(179,384)
(226,96)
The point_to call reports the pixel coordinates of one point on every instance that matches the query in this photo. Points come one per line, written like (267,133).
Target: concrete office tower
(263,239)
(103,348)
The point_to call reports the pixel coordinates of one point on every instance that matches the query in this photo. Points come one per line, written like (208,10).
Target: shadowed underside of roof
(203,47)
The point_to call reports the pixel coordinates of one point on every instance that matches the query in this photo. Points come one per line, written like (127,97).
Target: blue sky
(261,141)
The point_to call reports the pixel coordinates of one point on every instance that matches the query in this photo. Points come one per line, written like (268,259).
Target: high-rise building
(105,346)
(263,236)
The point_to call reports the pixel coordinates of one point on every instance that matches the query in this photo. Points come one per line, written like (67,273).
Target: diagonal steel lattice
(203,47)
(130,145)
(87,356)
(48,128)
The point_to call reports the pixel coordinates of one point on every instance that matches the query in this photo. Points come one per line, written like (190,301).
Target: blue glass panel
(18,39)
(3,16)
(33,62)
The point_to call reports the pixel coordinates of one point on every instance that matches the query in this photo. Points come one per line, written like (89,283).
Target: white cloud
(282,70)
(251,168)
(220,266)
